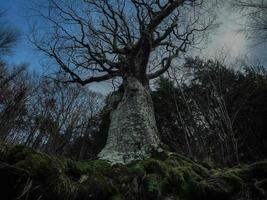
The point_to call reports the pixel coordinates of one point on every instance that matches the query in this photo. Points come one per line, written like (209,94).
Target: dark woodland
(175,126)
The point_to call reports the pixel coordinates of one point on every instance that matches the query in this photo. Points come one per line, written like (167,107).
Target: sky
(226,37)
(16,17)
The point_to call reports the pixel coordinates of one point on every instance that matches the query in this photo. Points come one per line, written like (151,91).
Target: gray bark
(133,133)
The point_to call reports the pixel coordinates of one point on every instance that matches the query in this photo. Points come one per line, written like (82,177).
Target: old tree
(130,40)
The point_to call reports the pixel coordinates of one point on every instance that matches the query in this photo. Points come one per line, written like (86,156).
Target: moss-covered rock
(27,174)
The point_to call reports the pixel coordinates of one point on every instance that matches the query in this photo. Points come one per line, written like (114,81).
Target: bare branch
(95,40)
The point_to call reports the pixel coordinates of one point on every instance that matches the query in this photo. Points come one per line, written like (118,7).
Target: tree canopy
(93,40)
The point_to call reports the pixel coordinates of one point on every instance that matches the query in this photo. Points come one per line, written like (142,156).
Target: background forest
(207,109)
(211,113)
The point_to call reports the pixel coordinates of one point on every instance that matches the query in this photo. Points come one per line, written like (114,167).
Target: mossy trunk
(133,133)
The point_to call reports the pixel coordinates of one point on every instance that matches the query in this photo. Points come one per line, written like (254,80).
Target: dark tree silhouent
(136,40)
(8,37)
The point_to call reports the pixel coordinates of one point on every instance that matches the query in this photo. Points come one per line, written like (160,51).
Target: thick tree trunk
(133,133)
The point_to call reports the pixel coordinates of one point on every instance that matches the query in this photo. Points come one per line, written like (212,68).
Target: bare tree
(14,92)
(59,114)
(8,37)
(136,40)
(255,12)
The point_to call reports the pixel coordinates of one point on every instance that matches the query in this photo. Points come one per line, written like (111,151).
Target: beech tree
(133,40)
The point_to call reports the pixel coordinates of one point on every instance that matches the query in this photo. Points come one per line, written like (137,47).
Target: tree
(13,88)
(135,40)
(59,115)
(256,15)
(8,37)
(14,91)
(213,112)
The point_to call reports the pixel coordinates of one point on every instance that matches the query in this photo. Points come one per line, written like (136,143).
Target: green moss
(152,166)
(212,188)
(160,155)
(175,177)
(171,176)
(62,187)
(258,169)
(232,177)
(117,197)
(174,182)
(94,166)
(221,184)
(200,170)
(38,164)
(18,153)
(97,187)
(137,170)
(152,186)
(121,174)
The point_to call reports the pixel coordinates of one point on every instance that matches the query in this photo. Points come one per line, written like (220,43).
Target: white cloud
(227,37)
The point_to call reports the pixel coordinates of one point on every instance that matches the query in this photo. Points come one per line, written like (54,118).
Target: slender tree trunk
(133,133)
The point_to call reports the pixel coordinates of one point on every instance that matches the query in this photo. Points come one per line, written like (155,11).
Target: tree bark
(133,133)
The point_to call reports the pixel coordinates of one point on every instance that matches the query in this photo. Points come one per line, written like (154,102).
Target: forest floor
(28,174)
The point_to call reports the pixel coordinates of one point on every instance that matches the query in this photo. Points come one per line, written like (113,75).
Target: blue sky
(16,17)
(227,37)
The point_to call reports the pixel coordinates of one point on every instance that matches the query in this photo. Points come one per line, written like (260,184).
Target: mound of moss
(27,174)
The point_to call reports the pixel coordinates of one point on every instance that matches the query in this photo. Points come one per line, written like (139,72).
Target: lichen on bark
(133,133)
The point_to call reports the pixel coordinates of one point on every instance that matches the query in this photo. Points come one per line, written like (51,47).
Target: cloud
(227,38)
(233,43)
